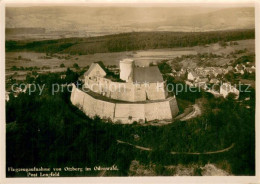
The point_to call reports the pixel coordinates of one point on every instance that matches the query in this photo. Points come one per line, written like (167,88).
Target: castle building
(139,94)
(126,70)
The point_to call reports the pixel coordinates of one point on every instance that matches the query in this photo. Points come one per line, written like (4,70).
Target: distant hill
(129,42)
(94,21)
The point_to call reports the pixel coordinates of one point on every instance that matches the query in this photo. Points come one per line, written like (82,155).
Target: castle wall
(103,109)
(91,106)
(77,97)
(127,113)
(157,111)
(124,112)
(156,91)
(174,106)
(127,91)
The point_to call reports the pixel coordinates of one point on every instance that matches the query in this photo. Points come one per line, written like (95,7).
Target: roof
(230,68)
(193,74)
(239,67)
(204,80)
(214,80)
(218,70)
(93,65)
(147,74)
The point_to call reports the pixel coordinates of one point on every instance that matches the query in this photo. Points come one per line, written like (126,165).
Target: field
(141,57)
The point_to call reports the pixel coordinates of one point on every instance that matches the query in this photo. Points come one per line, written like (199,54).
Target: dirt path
(205,153)
(180,153)
(138,147)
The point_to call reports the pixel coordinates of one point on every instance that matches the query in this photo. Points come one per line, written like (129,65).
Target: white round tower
(126,70)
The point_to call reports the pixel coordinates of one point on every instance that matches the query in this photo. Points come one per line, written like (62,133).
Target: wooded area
(128,42)
(47,130)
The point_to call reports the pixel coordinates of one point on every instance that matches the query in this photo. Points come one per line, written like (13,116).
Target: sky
(93,20)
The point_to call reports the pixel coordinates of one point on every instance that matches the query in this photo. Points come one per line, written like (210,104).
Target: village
(212,79)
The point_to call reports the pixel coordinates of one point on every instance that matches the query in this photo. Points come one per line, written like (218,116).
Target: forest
(128,42)
(48,131)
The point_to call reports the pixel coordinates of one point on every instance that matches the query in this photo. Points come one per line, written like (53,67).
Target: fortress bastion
(141,96)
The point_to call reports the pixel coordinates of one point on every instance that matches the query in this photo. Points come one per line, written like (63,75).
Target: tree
(62,65)
(29,79)
(222,44)
(76,66)
(164,67)
(71,76)
(34,73)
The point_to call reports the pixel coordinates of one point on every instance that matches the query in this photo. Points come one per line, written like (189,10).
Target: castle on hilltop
(139,95)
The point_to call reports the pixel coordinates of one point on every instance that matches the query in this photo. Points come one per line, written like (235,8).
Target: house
(214,81)
(229,68)
(202,80)
(250,70)
(173,70)
(95,70)
(192,76)
(189,83)
(226,89)
(240,68)
(217,71)
(182,71)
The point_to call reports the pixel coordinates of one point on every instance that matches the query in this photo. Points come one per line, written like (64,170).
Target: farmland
(141,57)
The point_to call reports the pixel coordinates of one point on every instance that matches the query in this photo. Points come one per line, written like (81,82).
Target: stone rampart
(124,112)
(127,91)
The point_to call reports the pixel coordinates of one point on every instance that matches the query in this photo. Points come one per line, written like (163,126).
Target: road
(196,112)
(183,117)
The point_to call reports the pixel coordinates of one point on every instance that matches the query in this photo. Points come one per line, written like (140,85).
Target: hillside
(128,42)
